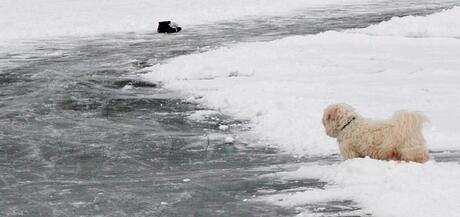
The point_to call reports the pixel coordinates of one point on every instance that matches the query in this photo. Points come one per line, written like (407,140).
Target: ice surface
(30,19)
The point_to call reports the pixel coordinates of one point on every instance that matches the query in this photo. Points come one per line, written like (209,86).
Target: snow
(443,24)
(387,189)
(202,115)
(223,127)
(31,19)
(229,140)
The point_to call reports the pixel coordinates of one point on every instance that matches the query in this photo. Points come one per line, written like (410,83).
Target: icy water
(81,135)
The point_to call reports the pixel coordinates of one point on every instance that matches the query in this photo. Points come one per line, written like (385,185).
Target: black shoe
(168,27)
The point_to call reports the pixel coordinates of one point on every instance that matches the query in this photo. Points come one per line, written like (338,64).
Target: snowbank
(443,24)
(31,19)
(387,189)
(283,86)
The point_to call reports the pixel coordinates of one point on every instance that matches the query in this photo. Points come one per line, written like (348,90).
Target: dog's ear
(331,113)
(329,120)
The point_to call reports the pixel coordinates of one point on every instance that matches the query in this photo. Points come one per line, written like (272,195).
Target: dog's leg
(348,153)
(414,153)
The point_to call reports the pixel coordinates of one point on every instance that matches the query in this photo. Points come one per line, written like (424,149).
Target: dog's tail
(408,130)
(408,124)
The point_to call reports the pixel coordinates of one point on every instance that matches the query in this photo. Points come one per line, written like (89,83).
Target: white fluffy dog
(399,138)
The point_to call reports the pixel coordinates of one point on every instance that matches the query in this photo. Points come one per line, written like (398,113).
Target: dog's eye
(329,116)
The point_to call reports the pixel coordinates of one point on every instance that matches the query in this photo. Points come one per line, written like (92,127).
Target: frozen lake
(80,135)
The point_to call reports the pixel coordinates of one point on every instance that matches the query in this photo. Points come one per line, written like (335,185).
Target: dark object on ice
(168,27)
(134,83)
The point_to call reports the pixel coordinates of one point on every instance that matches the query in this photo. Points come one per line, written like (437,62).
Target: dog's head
(336,117)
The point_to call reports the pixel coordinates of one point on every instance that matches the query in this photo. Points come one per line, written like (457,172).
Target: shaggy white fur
(399,138)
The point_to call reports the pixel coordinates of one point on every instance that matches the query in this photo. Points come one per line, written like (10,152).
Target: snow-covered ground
(386,189)
(283,86)
(31,19)
(443,24)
